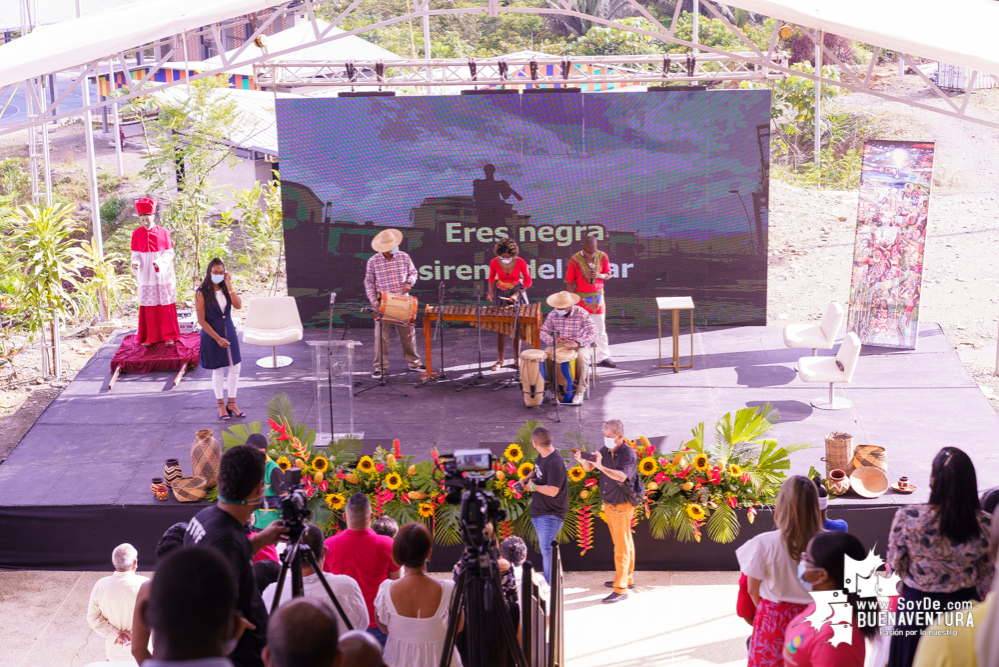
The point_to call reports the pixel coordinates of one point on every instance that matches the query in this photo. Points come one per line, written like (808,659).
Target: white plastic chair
(824,369)
(270,322)
(821,336)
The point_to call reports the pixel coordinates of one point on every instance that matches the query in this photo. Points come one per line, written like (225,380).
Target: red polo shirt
(364,556)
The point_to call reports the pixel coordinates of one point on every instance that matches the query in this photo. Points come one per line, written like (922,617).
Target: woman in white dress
(413,610)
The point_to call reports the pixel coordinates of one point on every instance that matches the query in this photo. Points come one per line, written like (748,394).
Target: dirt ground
(811,244)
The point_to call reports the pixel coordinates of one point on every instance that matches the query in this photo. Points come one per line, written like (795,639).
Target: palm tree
(574,26)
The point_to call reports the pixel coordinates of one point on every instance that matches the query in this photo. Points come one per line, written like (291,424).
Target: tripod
(383,381)
(478,378)
(479,584)
(516,302)
(292,559)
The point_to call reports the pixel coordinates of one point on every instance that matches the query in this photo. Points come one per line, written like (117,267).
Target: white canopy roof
(54,11)
(958,32)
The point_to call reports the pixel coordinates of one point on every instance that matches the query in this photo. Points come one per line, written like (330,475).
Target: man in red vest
(588,269)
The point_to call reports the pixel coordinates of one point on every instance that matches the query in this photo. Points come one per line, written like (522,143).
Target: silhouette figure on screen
(490,195)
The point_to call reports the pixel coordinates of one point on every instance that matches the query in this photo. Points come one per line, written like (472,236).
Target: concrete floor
(671,618)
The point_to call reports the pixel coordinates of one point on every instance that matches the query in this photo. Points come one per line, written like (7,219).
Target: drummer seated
(569,325)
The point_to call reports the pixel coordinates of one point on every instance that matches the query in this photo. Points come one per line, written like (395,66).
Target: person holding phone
(549,486)
(214,302)
(618,466)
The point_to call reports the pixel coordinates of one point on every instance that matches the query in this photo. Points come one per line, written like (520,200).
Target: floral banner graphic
(891,235)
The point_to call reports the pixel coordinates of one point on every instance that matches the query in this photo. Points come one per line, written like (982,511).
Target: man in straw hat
(390,270)
(568,325)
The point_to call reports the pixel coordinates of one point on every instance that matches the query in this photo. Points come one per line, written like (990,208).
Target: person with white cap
(390,270)
(568,325)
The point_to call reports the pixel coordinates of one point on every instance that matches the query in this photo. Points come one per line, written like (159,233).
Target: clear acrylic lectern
(334,365)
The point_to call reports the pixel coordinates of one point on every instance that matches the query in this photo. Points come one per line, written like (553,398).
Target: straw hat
(563,300)
(386,240)
(869,482)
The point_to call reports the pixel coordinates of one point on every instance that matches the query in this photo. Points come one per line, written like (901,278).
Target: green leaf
(723,524)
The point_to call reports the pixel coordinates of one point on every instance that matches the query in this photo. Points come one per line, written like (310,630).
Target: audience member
(192,610)
(549,486)
(386,526)
(361,649)
(827,523)
(972,644)
(270,508)
(618,466)
(413,611)
(362,555)
(265,573)
(346,590)
(821,569)
(990,500)
(172,539)
(770,563)
(940,550)
(303,633)
(112,603)
(223,528)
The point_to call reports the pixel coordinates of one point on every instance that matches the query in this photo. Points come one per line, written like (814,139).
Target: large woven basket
(839,452)
(189,489)
(206,455)
(870,455)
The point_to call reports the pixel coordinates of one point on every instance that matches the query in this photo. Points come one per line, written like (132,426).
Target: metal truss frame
(753,63)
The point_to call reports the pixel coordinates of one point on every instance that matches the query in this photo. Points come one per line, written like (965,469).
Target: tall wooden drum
(532,378)
(398,308)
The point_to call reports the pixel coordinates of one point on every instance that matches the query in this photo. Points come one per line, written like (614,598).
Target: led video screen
(674,185)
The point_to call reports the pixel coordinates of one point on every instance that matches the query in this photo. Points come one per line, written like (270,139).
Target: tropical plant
(49,261)
(262,222)
(140,107)
(108,282)
(576,26)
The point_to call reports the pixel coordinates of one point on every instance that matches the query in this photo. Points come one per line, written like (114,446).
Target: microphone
(332,298)
(366,309)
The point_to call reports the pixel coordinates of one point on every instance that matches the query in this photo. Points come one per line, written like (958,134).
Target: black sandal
(224,417)
(233,412)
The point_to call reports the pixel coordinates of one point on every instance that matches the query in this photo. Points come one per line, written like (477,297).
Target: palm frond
(723,524)
(279,408)
(346,449)
(238,434)
(447,529)
(524,435)
(697,443)
(659,525)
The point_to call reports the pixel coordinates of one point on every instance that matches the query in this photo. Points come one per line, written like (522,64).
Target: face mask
(394,251)
(802,569)
(507,261)
(611,443)
(217,279)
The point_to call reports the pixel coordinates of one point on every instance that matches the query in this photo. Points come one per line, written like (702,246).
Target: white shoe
(577,399)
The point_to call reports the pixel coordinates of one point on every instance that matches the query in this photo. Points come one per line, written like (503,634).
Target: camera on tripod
(465,475)
(290,492)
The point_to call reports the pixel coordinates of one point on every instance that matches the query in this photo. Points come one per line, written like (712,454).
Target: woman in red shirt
(509,279)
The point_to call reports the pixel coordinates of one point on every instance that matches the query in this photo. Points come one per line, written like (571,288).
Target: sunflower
(695,512)
(426,510)
(513,452)
(366,464)
(701,462)
(734,471)
(393,481)
(647,466)
(576,474)
(525,469)
(335,501)
(319,464)
(283,463)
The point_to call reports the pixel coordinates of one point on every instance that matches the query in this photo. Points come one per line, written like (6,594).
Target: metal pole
(114,113)
(95,203)
(46,161)
(426,46)
(818,101)
(696,17)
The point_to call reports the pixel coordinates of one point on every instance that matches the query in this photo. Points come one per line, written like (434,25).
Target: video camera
(294,503)
(465,475)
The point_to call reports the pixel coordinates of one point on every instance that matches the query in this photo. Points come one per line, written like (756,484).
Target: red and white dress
(152,250)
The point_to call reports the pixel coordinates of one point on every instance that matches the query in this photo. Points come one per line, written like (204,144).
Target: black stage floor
(78,482)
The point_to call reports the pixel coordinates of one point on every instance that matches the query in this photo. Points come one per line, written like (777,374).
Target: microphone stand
(553,365)
(329,362)
(383,382)
(478,378)
(438,336)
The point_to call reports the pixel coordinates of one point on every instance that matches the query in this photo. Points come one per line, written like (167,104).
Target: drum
(532,377)
(398,308)
(565,372)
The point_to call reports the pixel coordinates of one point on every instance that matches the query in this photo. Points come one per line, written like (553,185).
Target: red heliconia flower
(732,501)
(591,482)
(702,481)
(395,448)
(746,479)
(685,471)
(274,425)
(751,514)
(433,455)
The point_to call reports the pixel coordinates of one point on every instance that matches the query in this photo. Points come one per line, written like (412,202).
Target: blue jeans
(377,633)
(547,528)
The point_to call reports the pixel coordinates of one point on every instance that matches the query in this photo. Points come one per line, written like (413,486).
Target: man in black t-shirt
(550,498)
(618,466)
(223,528)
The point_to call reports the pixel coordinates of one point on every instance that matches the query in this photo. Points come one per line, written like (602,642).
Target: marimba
(494,318)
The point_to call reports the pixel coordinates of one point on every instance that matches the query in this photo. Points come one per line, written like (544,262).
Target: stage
(78,482)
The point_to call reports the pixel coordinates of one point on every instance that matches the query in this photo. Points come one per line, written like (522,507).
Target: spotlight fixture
(785,31)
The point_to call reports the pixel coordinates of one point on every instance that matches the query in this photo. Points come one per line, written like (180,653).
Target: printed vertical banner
(891,235)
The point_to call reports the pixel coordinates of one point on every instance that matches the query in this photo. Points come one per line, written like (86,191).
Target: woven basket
(206,454)
(870,455)
(189,489)
(839,452)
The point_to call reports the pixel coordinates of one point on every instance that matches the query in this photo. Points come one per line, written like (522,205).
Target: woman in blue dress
(219,343)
